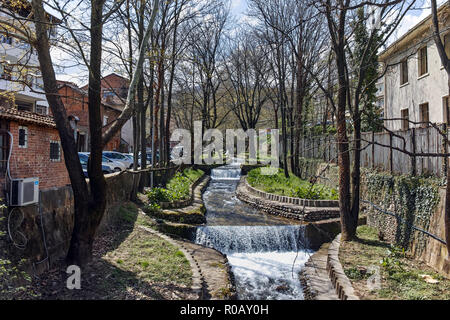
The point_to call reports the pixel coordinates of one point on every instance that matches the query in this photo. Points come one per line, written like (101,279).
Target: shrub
(178,188)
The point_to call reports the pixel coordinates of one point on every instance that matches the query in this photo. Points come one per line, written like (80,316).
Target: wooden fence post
(445,149)
(373,150)
(413,149)
(391,153)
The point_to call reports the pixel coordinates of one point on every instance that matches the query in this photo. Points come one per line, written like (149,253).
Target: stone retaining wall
(56,211)
(285,209)
(431,252)
(341,283)
(291,200)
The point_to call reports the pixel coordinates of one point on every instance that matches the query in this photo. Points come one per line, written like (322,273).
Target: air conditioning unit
(24,192)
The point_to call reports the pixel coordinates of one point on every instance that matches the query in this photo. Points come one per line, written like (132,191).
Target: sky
(239,7)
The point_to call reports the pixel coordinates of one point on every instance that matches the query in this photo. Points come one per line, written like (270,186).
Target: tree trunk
(71,159)
(84,233)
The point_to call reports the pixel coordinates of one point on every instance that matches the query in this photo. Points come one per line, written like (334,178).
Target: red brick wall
(34,161)
(77,104)
(114,143)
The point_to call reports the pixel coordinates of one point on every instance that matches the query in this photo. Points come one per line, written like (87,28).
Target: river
(265,252)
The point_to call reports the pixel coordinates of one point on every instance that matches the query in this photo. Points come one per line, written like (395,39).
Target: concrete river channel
(266,253)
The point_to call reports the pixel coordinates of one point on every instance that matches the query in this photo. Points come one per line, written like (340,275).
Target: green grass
(291,187)
(147,256)
(129,263)
(177,189)
(401,275)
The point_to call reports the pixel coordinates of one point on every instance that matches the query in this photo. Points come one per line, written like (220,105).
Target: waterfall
(226,173)
(252,239)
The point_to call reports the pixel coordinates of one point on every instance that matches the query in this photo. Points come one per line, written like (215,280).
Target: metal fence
(383,150)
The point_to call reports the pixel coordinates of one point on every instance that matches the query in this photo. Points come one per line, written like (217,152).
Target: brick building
(76,103)
(36,148)
(114,94)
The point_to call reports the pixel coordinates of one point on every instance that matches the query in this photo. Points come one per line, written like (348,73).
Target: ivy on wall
(413,199)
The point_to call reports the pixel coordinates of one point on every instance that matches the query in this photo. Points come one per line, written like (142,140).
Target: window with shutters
(424,115)
(404,72)
(445,103)
(405,121)
(423,61)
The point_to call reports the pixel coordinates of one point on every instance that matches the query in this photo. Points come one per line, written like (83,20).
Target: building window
(404,72)
(6,73)
(423,61)
(23,137)
(81,142)
(108,93)
(24,106)
(41,109)
(446,106)
(424,115)
(405,121)
(55,151)
(5,39)
(4,146)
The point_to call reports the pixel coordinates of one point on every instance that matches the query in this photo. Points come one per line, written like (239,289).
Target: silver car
(119,157)
(113,165)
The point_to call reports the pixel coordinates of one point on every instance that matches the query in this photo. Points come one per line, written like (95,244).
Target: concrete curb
(314,278)
(283,209)
(341,283)
(291,200)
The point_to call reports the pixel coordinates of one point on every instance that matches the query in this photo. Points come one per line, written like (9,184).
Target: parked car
(107,169)
(149,157)
(119,157)
(109,166)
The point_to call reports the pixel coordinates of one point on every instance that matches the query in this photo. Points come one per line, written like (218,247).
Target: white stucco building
(415,83)
(20,74)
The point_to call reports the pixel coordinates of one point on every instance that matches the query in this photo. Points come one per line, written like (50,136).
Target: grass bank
(177,189)
(128,264)
(401,277)
(291,187)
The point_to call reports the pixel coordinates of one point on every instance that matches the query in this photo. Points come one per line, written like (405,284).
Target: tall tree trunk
(172,77)
(79,185)
(142,106)
(88,221)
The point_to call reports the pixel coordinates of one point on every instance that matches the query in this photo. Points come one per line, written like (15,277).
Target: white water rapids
(265,253)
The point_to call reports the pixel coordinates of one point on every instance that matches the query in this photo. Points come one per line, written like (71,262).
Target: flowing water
(265,252)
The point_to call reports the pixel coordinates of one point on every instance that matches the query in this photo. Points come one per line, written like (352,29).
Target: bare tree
(248,78)
(338,14)
(90,202)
